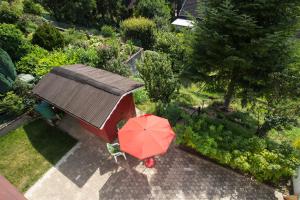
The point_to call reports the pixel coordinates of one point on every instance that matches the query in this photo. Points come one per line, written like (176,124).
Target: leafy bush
(175,46)
(12,105)
(7,72)
(30,62)
(108,31)
(54,59)
(140,30)
(8,14)
(157,10)
(39,61)
(29,6)
(75,37)
(171,111)
(87,56)
(118,67)
(140,96)
(12,41)
(106,53)
(160,82)
(48,37)
(267,161)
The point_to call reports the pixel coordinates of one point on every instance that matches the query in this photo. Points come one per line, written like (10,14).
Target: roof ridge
(78,77)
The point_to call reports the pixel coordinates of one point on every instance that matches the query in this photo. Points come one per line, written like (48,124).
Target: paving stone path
(87,172)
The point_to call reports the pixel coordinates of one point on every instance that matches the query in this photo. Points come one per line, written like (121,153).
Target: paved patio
(87,172)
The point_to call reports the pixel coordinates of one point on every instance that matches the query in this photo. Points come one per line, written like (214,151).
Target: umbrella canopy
(146,136)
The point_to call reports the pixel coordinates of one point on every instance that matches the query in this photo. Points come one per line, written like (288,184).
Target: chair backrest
(111,149)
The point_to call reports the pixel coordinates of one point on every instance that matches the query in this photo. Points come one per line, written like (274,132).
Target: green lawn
(29,151)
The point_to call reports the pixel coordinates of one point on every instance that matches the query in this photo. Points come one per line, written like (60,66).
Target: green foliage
(39,62)
(171,111)
(175,45)
(12,105)
(78,12)
(239,44)
(54,59)
(84,56)
(7,72)
(265,160)
(118,67)
(112,12)
(156,71)
(108,31)
(12,41)
(140,30)
(48,37)
(8,14)
(30,62)
(29,6)
(157,10)
(140,96)
(75,37)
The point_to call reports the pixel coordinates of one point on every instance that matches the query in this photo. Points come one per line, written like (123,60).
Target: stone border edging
(15,123)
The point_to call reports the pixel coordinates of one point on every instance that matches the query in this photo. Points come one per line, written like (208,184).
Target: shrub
(160,82)
(39,61)
(84,56)
(54,59)
(30,62)
(117,66)
(12,41)
(8,14)
(106,53)
(175,46)
(12,105)
(48,37)
(7,72)
(108,31)
(74,37)
(31,7)
(140,30)
(140,96)
(267,161)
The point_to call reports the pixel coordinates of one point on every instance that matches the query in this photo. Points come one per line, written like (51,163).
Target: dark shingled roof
(88,93)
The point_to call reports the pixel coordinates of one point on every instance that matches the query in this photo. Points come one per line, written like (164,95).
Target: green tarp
(45,110)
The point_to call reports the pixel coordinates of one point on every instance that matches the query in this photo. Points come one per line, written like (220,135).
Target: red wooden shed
(97,98)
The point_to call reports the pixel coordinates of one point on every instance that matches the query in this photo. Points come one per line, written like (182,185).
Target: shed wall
(124,110)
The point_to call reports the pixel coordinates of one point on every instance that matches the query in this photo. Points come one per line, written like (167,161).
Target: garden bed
(30,150)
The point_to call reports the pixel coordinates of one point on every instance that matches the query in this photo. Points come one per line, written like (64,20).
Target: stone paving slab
(88,172)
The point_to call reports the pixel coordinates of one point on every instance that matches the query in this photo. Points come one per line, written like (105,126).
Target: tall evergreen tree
(238,44)
(7,72)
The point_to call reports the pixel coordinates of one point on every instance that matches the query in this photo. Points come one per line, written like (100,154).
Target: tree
(48,37)
(153,8)
(157,10)
(239,44)
(113,11)
(7,72)
(281,108)
(77,11)
(156,71)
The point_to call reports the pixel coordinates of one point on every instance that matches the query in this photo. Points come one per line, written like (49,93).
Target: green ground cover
(29,151)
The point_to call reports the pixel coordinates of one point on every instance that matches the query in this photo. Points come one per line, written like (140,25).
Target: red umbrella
(146,136)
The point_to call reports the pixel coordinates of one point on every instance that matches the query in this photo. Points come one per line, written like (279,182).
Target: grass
(29,151)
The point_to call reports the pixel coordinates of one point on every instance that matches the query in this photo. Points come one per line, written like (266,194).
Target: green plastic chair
(114,150)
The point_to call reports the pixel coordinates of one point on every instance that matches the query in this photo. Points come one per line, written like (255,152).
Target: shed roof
(88,93)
